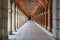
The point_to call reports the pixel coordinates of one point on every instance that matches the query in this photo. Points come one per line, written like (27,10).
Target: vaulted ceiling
(32,7)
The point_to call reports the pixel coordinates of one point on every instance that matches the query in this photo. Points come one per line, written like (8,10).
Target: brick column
(3,19)
(56,20)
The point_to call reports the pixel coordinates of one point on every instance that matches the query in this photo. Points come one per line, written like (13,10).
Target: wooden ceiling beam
(34,9)
(22,7)
(46,1)
(40,6)
(37,7)
(41,3)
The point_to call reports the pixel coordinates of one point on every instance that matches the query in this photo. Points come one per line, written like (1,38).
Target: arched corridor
(29,19)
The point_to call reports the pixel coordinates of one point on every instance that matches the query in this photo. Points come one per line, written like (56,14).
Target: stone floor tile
(30,31)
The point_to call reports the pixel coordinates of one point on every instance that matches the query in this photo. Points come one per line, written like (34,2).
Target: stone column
(46,17)
(26,19)
(18,21)
(47,20)
(42,19)
(50,16)
(15,17)
(3,19)
(56,19)
(11,19)
(18,18)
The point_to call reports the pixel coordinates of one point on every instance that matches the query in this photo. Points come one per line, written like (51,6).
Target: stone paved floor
(30,31)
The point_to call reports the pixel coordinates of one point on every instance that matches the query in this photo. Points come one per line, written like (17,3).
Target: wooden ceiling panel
(39,6)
